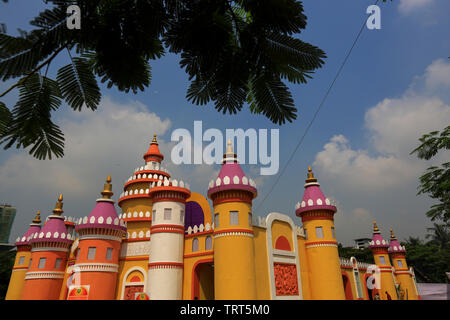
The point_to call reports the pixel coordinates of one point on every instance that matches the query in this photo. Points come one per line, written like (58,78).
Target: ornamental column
(22,260)
(317,214)
(165,264)
(384,277)
(407,289)
(234,259)
(49,252)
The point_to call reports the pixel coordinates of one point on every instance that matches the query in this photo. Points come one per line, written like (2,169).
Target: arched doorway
(203,280)
(347,287)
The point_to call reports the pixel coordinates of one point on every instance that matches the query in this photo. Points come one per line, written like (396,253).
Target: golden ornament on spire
(392,234)
(229,147)
(58,206)
(107,188)
(154,139)
(311,177)
(375,227)
(37,219)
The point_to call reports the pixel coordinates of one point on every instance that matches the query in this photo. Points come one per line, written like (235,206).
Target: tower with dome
(165,241)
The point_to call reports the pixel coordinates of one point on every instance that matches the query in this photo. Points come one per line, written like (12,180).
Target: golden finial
(392,234)
(375,227)
(107,188)
(311,177)
(58,206)
(37,219)
(229,147)
(154,139)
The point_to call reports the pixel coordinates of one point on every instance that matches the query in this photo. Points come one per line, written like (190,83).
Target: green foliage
(430,260)
(6,264)
(233,52)
(361,255)
(436,180)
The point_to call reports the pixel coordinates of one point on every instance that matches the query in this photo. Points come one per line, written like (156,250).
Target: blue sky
(393,89)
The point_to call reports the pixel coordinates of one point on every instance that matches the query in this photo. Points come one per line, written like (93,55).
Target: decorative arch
(284,266)
(134,281)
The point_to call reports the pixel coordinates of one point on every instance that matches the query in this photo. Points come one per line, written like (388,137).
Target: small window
(234,218)
(400,263)
(42,262)
(58,263)
(382,260)
(319,232)
(333,232)
(21,260)
(31,260)
(109,252)
(306,234)
(154,214)
(195,245)
(167,213)
(181,216)
(208,243)
(91,253)
(250,219)
(78,253)
(216,220)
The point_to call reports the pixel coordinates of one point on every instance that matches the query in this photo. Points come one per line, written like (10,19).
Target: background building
(7,215)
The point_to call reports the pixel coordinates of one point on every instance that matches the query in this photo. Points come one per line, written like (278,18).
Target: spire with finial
(375,227)
(37,219)
(153,153)
(107,188)
(392,235)
(377,238)
(310,177)
(59,206)
(229,156)
(394,245)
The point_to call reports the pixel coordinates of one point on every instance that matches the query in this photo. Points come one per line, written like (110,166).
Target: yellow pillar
(322,256)
(407,290)
(234,258)
(22,261)
(384,276)
(19,270)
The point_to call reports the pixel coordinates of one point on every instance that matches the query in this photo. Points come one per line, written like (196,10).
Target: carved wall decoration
(285,279)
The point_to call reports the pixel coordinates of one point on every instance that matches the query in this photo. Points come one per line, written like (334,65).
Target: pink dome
(313,197)
(25,239)
(231,176)
(394,245)
(104,214)
(377,239)
(54,229)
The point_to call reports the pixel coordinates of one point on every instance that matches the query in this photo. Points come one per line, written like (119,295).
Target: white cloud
(109,140)
(382,178)
(408,6)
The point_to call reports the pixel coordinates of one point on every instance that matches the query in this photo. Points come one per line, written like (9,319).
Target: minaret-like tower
(97,259)
(386,279)
(49,252)
(234,259)
(22,261)
(317,214)
(402,273)
(137,210)
(165,265)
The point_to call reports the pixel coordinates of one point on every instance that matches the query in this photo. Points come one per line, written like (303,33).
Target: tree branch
(22,80)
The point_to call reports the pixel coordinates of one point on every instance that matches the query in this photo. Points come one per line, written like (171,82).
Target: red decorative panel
(285,279)
(282,244)
(130,292)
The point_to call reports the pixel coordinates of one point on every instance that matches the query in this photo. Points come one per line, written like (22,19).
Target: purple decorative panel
(194,215)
